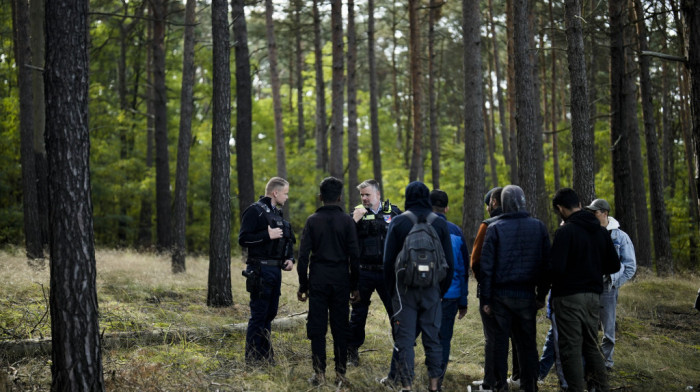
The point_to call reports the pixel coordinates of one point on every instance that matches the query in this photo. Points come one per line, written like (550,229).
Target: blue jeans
(516,315)
(449,313)
(608,303)
(369,282)
(263,309)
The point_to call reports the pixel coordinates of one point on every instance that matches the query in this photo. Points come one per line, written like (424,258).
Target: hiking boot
(318,379)
(353,357)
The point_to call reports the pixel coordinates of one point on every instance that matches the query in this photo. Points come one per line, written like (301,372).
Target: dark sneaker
(317,379)
(353,356)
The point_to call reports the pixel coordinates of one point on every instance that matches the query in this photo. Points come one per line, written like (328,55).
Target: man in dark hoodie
(416,309)
(513,285)
(582,252)
(329,244)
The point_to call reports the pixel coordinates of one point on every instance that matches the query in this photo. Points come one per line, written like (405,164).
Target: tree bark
(619,138)
(582,135)
(244,109)
(433,13)
(691,15)
(512,87)
(76,358)
(299,59)
(144,239)
(219,282)
(38,47)
(553,109)
(642,247)
(275,84)
(529,140)
(353,161)
(373,101)
(30,201)
(417,90)
(662,241)
(321,126)
(337,84)
(163,207)
(499,92)
(474,158)
(184,142)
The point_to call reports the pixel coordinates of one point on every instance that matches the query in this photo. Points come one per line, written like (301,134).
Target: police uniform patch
(387,218)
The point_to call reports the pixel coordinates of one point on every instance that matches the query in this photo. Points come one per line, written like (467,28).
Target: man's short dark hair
(331,189)
(567,198)
(496,195)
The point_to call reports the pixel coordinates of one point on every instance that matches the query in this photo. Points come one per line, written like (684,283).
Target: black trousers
(329,295)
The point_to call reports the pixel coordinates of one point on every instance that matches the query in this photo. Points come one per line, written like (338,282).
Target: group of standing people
(347,257)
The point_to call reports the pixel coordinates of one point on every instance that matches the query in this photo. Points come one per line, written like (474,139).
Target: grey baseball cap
(598,204)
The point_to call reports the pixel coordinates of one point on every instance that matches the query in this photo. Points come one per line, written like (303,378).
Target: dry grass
(658,340)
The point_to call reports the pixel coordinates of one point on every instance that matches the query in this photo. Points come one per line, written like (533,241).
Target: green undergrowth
(658,340)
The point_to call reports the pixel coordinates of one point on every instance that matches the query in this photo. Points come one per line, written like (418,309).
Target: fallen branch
(15,349)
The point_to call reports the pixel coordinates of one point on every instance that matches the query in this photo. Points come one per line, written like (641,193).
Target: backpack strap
(411,216)
(431,218)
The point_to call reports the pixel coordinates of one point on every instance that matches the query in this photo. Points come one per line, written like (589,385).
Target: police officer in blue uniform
(372,219)
(269,240)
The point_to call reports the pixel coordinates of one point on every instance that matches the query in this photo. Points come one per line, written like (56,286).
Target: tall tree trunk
(219,283)
(417,90)
(184,142)
(395,81)
(299,58)
(499,92)
(244,109)
(474,158)
(124,31)
(543,205)
(30,202)
(553,109)
(512,87)
(689,161)
(662,241)
(691,15)
(529,136)
(667,130)
(353,161)
(582,135)
(490,144)
(321,125)
(144,239)
(619,138)
(163,208)
(642,247)
(275,84)
(337,84)
(76,357)
(433,13)
(38,47)
(373,93)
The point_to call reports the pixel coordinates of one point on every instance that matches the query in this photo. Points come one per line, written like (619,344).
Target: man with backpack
(418,268)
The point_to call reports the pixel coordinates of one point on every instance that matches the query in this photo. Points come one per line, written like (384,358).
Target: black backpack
(421,262)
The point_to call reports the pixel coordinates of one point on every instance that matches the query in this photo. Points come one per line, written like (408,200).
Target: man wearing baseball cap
(612,283)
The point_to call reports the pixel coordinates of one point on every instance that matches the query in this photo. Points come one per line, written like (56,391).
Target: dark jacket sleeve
(559,252)
(476,250)
(449,257)
(304,252)
(488,264)
(391,250)
(353,254)
(544,283)
(253,228)
(611,261)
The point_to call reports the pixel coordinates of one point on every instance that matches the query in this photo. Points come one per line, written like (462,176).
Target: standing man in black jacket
(372,219)
(416,310)
(329,247)
(582,252)
(269,241)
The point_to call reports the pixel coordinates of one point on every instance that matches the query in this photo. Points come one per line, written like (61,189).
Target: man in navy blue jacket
(454,302)
(416,309)
(513,284)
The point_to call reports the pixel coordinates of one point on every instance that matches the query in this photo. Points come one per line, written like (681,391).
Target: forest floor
(658,346)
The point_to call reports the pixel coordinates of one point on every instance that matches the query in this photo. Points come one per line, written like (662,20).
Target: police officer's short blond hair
(274,184)
(366,183)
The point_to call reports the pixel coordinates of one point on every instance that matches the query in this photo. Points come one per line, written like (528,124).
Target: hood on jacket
(612,223)
(417,196)
(513,199)
(584,219)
